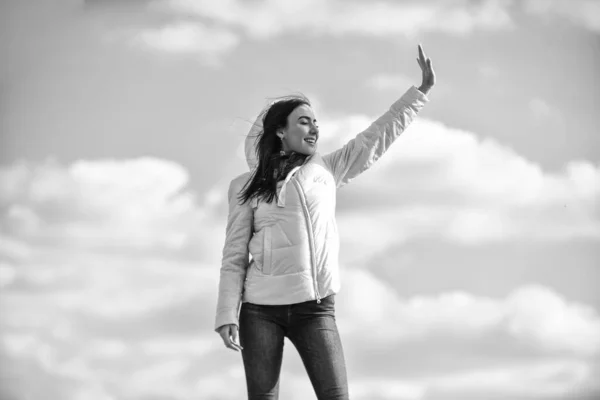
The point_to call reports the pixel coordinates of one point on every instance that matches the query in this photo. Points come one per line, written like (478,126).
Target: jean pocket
(326,306)
(329,299)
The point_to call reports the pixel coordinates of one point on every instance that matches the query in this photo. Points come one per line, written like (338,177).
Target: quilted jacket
(286,251)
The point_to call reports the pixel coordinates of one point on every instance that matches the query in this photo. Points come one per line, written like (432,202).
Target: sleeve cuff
(413,98)
(415,93)
(226,316)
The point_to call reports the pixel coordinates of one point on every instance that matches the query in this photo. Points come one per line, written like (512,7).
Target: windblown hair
(263,183)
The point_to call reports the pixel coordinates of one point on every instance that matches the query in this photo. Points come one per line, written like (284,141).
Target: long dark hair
(263,183)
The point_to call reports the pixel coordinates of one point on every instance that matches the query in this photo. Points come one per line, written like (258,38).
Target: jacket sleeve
(236,255)
(368,146)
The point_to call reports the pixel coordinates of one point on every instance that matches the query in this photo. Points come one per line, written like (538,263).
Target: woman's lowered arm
(236,255)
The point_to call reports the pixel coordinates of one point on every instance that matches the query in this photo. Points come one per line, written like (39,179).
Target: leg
(314,333)
(262,338)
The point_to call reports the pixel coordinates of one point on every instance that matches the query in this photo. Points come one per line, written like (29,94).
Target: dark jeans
(312,329)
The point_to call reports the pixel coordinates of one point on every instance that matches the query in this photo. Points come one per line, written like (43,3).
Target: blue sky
(469,252)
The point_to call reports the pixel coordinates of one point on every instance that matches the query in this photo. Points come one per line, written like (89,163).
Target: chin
(309,151)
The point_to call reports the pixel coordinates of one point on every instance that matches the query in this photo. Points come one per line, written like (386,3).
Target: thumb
(234,334)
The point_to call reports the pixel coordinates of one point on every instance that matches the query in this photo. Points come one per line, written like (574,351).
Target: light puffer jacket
(293,242)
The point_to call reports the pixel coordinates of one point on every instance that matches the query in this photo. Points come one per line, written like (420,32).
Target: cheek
(297,136)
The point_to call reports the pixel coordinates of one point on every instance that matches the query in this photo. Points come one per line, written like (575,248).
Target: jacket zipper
(310,238)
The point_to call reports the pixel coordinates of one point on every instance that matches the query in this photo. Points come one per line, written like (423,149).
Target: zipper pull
(318,299)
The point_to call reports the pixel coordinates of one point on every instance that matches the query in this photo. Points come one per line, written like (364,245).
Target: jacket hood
(252,138)
(252,141)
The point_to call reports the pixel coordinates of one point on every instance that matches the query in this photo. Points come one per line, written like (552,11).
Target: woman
(282,214)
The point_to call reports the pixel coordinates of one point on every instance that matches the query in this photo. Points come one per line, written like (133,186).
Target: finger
(235,338)
(236,347)
(430,65)
(420,64)
(431,74)
(232,346)
(421,53)
(229,344)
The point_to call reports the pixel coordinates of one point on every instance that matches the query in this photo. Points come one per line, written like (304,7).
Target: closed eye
(304,122)
(305,119)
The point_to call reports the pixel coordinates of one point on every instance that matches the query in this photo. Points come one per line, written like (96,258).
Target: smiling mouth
(311,141)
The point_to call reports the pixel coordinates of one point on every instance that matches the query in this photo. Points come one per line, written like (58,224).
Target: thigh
(315,335)
(262,338)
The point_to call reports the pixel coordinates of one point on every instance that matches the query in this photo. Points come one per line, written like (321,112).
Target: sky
(469,251)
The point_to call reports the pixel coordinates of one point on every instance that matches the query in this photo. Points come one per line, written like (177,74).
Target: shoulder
(237,183)
(318,159)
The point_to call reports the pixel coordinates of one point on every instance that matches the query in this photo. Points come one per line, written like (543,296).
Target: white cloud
(212,386)
(7,274)
(384,389)
(310,17)
(488,71)
(539,108)
(549,378)
(545,113)
(135,205)
(389,82)
(545,378)
(106,348)
(179,346)
(538,314)
(72,306)
(194,38)
(437,181)
(532,314)
(585,13)
(14,249)
(165,378)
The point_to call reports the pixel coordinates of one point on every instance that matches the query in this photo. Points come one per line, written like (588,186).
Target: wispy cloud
(389,82)
(193,38)
(131,205)
(584,13)
(121,270)
(309,17)
(441,182)
(533,315)
(467,268)
(548,379)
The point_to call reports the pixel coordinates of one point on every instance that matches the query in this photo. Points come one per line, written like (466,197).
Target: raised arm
(236,255)
(362,151)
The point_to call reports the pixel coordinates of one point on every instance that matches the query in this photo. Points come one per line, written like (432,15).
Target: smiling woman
(301,128)
(282,144)
(289,287)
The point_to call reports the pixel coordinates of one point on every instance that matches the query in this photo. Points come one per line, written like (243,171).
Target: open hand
(427,69)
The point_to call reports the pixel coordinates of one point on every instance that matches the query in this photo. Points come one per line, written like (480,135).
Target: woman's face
(302,133)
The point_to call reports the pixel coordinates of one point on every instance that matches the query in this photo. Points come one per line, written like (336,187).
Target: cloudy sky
(469,251)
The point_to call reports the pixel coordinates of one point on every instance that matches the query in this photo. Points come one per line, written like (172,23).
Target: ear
(280,134)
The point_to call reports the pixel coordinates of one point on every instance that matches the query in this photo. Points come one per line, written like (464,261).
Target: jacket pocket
(267,245)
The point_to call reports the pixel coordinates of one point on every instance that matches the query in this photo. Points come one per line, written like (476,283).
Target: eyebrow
(308,118)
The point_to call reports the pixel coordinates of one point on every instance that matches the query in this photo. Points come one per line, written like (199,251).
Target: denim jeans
(311,328)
